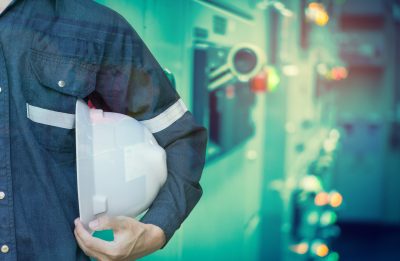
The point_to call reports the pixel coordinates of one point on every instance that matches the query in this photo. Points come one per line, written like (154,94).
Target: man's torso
(44,43)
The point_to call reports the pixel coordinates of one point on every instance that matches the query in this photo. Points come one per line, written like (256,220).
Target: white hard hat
(120,166)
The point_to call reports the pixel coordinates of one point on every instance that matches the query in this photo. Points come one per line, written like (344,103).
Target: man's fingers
(83,247)
(80,243)
(92,244)
(103,223)
(81,231)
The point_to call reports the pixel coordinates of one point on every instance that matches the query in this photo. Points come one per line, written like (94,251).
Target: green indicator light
(334,256)
(273,78)
(328,218)
(312,217)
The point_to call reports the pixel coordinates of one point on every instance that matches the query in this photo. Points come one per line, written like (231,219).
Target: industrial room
(301,103)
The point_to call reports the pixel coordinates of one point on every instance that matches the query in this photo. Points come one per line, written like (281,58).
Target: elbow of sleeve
(185,144)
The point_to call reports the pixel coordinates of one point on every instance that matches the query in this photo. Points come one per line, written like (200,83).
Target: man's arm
(132,82)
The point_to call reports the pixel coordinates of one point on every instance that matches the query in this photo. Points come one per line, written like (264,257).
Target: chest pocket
(61,72)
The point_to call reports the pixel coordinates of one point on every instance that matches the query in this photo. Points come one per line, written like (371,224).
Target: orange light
(259,82)
(322,18)
(335,199)
(321,250)
(338,73)
(315,5)
(301,248)
(316,12)
(343,72)
(321,199)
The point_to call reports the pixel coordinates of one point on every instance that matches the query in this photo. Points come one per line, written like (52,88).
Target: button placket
(7,231)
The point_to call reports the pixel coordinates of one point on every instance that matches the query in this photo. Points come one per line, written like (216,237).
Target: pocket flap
(63,74)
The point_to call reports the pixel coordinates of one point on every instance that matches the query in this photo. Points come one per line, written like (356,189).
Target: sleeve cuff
(156,215)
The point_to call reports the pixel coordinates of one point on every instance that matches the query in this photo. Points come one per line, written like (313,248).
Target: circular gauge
(245,61)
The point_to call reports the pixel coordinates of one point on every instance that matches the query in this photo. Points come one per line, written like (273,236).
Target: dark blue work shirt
(53,52)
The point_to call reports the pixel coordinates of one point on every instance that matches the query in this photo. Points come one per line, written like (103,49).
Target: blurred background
(302,102)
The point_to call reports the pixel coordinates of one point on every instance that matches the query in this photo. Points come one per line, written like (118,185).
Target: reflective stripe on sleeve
(67,121)
(51,118)
(166,118)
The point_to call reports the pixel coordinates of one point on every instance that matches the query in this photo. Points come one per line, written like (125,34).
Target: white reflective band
(166,118)
(67,121)
(51,118)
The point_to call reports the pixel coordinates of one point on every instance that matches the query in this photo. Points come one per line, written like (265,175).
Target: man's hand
(132,239)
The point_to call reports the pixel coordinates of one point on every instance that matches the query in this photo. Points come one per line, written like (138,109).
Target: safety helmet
(120,166)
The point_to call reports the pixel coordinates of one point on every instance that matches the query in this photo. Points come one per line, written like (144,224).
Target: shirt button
(61,84)
(4,249)
(2,195)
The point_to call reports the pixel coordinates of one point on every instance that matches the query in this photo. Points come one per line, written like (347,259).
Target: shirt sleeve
(132,82)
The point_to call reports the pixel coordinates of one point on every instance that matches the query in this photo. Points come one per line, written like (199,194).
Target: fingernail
(76,221)
(93,224)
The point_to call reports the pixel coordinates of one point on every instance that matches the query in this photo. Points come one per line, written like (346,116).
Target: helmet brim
(84,161)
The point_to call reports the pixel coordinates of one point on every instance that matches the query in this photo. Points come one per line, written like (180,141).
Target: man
(53,52)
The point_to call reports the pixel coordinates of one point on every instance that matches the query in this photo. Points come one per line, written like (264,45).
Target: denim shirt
(53,52)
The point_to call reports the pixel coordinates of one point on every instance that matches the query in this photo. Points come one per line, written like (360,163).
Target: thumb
(103,223)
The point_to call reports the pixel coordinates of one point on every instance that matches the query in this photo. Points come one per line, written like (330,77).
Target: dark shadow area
(368,242)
